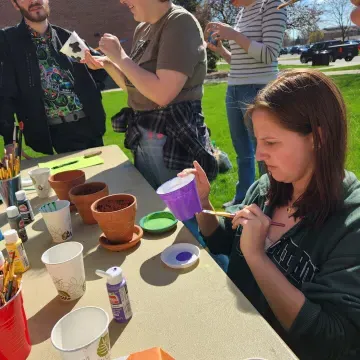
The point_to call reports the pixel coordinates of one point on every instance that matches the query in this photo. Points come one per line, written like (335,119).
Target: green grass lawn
(226,67)
(214,109)
(343,68)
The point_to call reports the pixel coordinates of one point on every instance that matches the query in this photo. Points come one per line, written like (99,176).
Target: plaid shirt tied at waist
(183,124)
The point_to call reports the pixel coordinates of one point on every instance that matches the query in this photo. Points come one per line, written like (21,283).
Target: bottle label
(120,303)
(21,261)
(26,212)
(22,234)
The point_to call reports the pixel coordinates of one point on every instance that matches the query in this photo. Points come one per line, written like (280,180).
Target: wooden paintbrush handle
(94,153)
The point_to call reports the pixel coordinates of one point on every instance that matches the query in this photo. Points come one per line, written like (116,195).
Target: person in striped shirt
(255,43)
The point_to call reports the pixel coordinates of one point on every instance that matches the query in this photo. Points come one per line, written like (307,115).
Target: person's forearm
(284,299)
(147,83)
(207,223)
(226,55)
(116,74)
(243,41)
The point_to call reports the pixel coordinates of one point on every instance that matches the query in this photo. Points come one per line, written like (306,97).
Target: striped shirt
(265,26)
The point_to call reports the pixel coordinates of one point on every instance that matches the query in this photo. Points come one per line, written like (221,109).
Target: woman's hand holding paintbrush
(232,216)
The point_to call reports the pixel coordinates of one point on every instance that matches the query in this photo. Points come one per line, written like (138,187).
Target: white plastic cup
(83,334)
(56,215)
(40,180)
(75,47)
(65,265)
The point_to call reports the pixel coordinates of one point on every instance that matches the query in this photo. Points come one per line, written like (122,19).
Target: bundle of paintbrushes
(10,167)
(9,282)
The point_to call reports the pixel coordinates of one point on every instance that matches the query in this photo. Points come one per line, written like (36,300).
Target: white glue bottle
(118,294)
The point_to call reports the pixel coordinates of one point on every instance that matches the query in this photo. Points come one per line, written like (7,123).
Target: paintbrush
(6,276)
(11,278)
(21,130)
(13,154)
(231,216)
(291,2)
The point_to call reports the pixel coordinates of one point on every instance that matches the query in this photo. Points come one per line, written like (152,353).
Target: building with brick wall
(89,18)
(334,33)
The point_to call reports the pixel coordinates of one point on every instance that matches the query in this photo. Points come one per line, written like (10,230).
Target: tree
(304,18)
(339,15)
(223,11)
(316,36)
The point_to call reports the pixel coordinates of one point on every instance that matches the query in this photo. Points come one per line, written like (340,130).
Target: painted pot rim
(53,181)
(77,187)
(109,197)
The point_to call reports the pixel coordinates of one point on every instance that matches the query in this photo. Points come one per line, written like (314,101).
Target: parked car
(295,50)
(336,49)
(283,51)
(353,42)
(303,48)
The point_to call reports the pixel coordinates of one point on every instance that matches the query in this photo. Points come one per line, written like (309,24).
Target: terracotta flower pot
(115,215)
(83,196)
(63,182)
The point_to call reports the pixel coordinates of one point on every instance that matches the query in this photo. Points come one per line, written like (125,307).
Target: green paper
(80,164)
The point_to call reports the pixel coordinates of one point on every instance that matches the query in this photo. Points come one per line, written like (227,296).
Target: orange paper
(151,354)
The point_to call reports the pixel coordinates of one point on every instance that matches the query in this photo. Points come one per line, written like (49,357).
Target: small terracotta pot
(115,215)
(63,182)
(83,196)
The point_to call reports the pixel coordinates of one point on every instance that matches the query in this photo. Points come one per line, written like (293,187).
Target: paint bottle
(118,294)
(24,207)
(16,222)
(14,245)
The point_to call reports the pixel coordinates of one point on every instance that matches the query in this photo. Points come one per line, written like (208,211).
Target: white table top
(197,313)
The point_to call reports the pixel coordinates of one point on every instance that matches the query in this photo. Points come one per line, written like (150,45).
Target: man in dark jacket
(57,99)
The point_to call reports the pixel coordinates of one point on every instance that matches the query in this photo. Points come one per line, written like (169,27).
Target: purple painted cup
(181,197)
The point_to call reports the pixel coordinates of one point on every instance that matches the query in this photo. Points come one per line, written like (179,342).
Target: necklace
(291,206)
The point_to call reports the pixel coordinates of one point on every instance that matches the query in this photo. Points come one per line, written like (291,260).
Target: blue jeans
(237,99)
(149,161)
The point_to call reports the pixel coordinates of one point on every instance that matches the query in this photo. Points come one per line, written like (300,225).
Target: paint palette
(180,256)
(75,47)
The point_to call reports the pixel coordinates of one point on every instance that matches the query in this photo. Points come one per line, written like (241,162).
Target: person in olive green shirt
(304,277)
(163,76)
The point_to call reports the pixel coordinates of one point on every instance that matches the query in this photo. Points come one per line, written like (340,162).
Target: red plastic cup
(14,334)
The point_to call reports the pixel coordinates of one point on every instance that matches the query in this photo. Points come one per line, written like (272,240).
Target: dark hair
(309,102)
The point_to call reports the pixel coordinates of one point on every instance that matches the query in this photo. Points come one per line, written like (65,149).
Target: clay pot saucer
(106,244)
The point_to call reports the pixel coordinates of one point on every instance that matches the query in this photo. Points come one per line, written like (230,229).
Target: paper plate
(180,256)
(26,182)
(158,222)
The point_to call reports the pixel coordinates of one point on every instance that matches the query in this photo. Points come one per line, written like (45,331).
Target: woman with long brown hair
(304,277)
